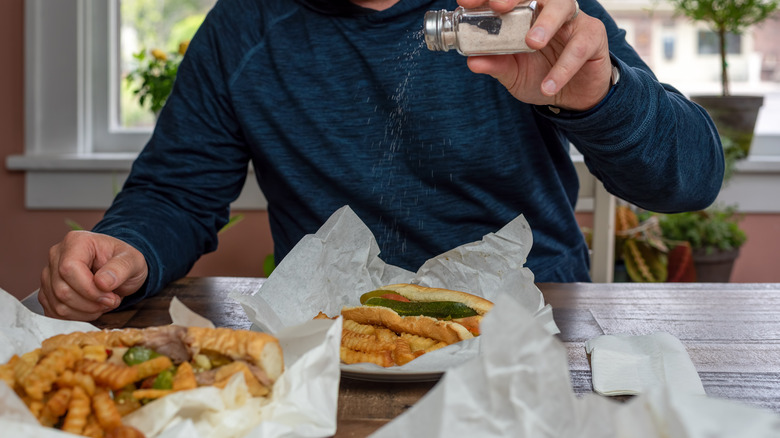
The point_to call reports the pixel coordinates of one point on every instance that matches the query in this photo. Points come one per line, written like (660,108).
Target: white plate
(388,375)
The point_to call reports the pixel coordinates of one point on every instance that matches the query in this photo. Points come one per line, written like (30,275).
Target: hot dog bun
(415,292)
(259,349)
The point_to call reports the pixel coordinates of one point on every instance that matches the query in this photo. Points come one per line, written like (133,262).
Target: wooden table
(731,331)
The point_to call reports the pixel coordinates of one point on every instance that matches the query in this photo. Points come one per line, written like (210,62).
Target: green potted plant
(154,75)
(714,236)
(735,116)
(640,252)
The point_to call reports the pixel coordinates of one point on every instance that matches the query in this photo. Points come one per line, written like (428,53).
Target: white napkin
(519,386)
(627,365)
(303,404)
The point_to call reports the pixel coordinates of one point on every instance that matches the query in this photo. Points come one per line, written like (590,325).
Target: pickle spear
(434,309)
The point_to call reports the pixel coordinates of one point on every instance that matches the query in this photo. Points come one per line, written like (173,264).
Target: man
(338,103)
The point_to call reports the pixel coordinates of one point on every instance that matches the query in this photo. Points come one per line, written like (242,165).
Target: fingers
(553,15)
(70,290)
(585,54)
(496,5)
(499,67)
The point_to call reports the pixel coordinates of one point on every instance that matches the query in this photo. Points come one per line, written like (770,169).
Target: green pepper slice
(435,309)
(164,380)
(137,354)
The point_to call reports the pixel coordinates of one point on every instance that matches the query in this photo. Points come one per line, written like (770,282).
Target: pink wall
(25,236)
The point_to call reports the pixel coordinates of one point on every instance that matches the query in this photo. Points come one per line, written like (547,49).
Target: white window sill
(89,182)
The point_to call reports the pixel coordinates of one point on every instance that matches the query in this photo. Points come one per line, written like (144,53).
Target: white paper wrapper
(332,268)
(303,403)
(519,386)
(623,364)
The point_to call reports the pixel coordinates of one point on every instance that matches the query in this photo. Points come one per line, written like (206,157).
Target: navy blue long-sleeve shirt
(351,109)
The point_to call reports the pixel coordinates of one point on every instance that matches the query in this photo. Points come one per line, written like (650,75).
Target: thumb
(501,67)
(123,274)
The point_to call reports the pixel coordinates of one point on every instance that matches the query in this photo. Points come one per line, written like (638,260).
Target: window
(146,25)
(668,41)
(708,43)
(80,136)
(86,106)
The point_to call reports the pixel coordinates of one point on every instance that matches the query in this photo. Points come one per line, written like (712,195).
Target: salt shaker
(480,31)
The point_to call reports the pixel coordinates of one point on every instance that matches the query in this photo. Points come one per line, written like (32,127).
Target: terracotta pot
(734,116)
(715,267)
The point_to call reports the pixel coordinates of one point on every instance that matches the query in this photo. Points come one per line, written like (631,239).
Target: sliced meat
(260,375)
(205,378)
(168,341)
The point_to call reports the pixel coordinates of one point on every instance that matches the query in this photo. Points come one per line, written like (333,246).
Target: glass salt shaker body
(480,31)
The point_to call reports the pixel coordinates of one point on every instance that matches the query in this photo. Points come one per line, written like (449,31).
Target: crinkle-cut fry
(7,374)
(357,327)
(436,346)
(35,406)
(46,371)
(109,374)
(26,363)
(151,393)
(98,353)
(225,372)
(71,379)
(55,407)
(256,389)
(417,342)
(403,352)
(78,411)
(152,366)
(383,358)
(228,370)
(93,429)
(184,378)
(124,431)
(386,335)
(105,410)
(364,343)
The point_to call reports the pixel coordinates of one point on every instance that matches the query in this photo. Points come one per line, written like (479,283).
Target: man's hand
(570,68)
(89,274)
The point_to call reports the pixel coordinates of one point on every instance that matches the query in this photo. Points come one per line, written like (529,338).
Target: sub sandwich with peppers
(85,382)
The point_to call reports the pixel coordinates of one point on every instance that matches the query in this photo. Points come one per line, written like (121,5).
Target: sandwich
(397,323)
(85,382)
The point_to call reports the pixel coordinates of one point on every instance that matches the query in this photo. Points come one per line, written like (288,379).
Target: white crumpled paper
(332,268)
(519,386)
(303,403)
(628,365)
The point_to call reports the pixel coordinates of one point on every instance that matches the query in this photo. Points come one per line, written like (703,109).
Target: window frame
(74,158)
(70,164)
